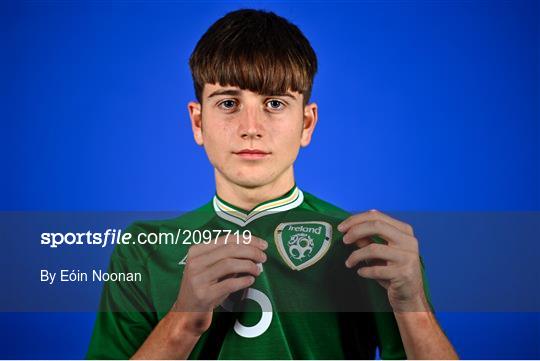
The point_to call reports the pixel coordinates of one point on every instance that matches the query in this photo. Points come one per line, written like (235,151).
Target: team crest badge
(302,244)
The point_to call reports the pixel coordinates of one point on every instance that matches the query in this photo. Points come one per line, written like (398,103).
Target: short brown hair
(255,50)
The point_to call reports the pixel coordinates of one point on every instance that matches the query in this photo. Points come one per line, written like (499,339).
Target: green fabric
(303,322)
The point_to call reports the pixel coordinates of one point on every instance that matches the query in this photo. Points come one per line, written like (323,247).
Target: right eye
(227,104)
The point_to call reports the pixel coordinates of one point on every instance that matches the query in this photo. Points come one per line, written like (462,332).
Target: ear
(310,120)
(195,114)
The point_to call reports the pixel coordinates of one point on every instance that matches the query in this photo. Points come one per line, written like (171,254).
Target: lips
(252,153)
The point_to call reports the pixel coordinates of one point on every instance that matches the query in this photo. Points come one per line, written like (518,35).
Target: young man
(295,259)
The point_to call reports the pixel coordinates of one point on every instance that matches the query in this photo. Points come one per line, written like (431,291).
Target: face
(251,139)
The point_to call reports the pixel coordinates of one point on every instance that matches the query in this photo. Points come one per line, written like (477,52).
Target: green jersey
(305,304)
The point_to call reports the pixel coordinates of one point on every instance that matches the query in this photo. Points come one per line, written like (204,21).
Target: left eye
(275,104)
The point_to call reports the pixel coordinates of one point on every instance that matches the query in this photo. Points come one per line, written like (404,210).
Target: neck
(246,197)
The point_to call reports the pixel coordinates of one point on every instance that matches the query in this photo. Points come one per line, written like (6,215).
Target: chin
(252,180)
(250,183)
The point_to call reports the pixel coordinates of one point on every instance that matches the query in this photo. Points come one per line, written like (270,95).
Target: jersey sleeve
(388,337)
(125,317)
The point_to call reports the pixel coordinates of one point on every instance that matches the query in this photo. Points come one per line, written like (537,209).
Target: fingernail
(264,244)
(347,263)
(340,227)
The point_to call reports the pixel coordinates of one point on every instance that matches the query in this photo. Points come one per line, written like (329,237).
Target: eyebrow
(236,92)
(224,92)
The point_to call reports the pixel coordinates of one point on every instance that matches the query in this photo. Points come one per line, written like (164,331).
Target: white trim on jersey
(240,218)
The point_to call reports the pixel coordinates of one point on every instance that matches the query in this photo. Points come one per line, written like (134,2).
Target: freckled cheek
(218,146)
(289,139)
(219,135)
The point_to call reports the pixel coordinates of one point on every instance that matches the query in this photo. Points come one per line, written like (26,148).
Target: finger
(362,242)
(389,233)
(229,251)
(224,288)
(384,273)
(227,267)
(376,262)
(371,216)
(199,249)
(373,251)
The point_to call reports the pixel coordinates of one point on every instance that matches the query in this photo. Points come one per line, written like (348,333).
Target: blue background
(428,105)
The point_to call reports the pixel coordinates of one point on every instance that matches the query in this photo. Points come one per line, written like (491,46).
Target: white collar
(293,198)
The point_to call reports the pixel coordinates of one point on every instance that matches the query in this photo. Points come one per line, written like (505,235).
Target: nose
(251,124)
